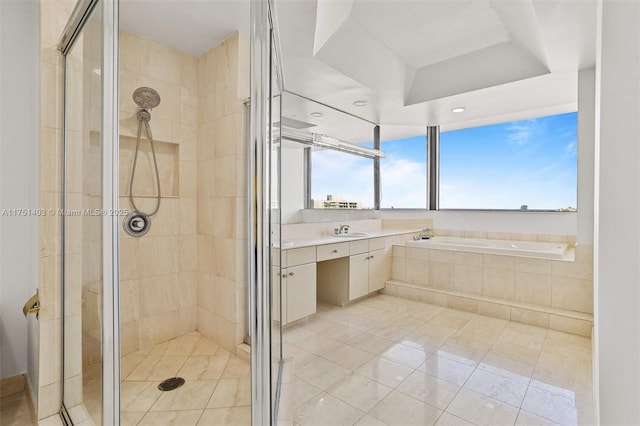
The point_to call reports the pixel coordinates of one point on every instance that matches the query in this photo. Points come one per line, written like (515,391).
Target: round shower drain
(171,384)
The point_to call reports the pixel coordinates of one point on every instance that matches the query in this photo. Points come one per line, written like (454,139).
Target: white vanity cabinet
(300,282)
(363,268)
(298,276)
(368,267)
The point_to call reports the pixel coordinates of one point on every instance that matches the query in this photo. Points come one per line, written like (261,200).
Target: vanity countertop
(332,239)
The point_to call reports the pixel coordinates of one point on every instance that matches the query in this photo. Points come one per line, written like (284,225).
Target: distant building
(568,209)
(336,202)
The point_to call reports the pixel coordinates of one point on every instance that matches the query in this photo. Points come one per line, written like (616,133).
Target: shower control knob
(137,224)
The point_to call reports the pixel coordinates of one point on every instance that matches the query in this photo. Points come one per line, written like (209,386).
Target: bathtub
(502,247)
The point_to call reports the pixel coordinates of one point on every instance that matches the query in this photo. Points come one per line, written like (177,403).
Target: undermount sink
(352,235)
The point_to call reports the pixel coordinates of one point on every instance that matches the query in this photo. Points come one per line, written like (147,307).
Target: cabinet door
(378,270)
(301,291)
(358,275)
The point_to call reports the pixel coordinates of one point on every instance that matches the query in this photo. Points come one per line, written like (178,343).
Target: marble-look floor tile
(130,418)
(367,420)
(138,396)
(231,393)
(423,342)
(528,419)
(193,395)
(557,404)
(348,357)
(447,419)
(429,389)
(400,409)
(317,344)
(481,410)
(507,388)
(300,356)
(171,418)
(384,371)
(129,363)
(321,373)
(180,346)
(204,367)
(359,391)
(460,353)
(405,355)
(507,364)
(205,346)
(446,369)
(236,368)
(371,343)
(303,392)
(324,410)
(235,416)
(157,367)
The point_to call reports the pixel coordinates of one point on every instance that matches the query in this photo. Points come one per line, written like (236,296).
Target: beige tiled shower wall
(158,272)
(223,86)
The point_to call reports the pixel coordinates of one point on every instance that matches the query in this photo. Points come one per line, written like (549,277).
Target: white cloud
(523,132)
(570,150)
(403,183)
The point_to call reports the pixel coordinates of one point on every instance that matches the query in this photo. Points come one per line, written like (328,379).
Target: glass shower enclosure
(92,214)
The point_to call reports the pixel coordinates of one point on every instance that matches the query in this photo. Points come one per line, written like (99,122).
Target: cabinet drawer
(300,256)
(357,247)
(376,244)
(333,251)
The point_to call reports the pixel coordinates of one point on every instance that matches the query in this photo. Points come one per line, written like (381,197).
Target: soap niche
(144,185)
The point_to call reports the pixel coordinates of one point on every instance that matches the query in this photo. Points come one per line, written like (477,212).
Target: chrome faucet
(344,229)
(423,235)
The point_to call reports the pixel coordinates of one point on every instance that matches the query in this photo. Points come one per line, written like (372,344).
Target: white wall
(586,151)
(292,182)
(19,163)
(559,223)
(617,214)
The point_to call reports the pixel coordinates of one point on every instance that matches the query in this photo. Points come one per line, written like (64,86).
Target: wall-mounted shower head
(146,97)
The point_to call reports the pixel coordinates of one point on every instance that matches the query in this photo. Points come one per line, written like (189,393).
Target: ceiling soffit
(415,55)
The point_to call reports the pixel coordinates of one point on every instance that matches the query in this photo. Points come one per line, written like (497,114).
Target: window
(341,180)
(403,173)
(519,165)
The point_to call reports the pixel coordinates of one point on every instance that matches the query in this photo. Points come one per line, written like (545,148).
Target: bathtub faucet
(423,235)
(344,229)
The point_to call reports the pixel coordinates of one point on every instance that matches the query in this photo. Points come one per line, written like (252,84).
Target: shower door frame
(110,334)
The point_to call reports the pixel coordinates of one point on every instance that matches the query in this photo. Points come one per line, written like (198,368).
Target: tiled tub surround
(547,293)
(391,361)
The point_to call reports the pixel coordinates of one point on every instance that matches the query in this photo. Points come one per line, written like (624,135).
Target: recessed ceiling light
(316,114)
(360,103)
(458,109)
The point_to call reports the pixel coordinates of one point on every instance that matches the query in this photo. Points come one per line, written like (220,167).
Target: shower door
(89,214)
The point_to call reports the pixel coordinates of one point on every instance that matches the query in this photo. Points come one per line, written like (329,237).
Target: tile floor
(390,361)
(16,408)
(217,389)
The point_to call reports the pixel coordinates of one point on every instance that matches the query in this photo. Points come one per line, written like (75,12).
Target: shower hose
(144,118)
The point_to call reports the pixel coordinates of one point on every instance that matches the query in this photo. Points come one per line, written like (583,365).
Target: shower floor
(217,389)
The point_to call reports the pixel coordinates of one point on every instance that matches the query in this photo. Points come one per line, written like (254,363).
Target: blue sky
(502,166)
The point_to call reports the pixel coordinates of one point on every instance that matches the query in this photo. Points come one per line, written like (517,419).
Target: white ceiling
(410,60)
(192,26)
